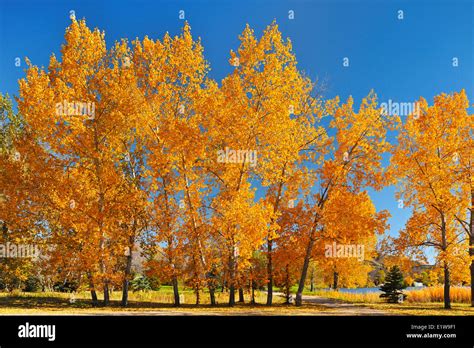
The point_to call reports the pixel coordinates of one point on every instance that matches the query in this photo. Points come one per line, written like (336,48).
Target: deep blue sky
(400,59)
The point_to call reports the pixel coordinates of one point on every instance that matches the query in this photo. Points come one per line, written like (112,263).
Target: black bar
(171,331)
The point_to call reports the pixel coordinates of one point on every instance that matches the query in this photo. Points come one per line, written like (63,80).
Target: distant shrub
(66,286)
(32,284)
(140,283)
(155,283)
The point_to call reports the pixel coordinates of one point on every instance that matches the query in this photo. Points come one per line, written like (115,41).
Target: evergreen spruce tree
(393,286)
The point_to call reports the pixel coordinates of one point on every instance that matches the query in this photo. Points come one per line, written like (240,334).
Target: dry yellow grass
(427,301)
(139,302)
(425,295)
(349,297)
(143,297)
(436,294)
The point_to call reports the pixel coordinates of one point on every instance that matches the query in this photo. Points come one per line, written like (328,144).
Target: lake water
(376,290)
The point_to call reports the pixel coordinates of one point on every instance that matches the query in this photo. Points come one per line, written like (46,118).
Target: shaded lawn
(57,306)
(59,303)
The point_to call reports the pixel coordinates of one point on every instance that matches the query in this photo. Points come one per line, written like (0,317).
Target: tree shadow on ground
(52,302)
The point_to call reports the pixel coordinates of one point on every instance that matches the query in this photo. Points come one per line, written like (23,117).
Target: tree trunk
(224,282)
(312,280)
(212,295)
(270,243)
(336,280)
(241,295)
(211,284)
(231,281)
(231,295)
(304,271)
(126,280)
(253,292)
(197,289)
(471,244)
(95,301)
(198,299)
(447,284)
(106,293)
(447,278)
(472,283)
(175,291)
(471,252)
(270,274)
(287,285)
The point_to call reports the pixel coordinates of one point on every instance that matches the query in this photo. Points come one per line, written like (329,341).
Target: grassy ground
(156,302)
(425,295)
(427,301)
(160,303)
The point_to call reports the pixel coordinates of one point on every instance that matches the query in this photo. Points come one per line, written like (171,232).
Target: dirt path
(312,306)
